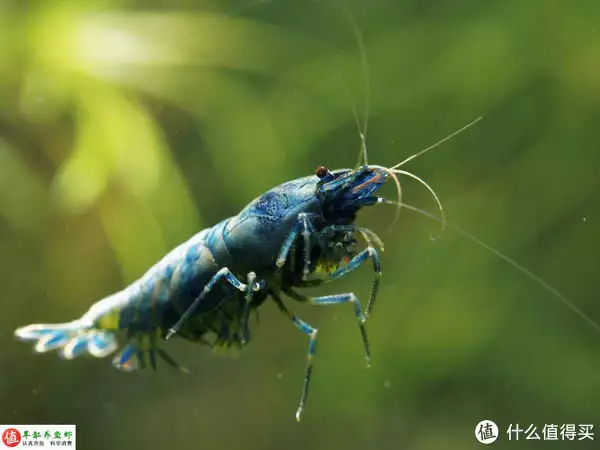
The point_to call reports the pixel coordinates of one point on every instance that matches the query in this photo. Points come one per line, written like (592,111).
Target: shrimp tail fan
(70,339)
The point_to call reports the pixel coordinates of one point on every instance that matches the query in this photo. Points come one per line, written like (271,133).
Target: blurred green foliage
(127,126)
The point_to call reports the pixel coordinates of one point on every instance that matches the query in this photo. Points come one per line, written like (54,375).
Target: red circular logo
(11,437)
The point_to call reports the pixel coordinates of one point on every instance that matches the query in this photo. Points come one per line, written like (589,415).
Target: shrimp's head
(343,192)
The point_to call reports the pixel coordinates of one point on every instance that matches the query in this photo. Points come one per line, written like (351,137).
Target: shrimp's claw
(72,339)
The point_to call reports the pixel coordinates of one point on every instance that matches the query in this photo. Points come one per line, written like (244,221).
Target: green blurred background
(126,126)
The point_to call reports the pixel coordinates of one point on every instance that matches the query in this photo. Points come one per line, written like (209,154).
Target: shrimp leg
(358,260)
(312,346)
(230,278)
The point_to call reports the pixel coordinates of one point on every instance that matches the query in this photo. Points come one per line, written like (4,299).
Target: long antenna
(572,306)
(366,80)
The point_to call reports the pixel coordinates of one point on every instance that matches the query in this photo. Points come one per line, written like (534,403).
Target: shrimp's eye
(321,171)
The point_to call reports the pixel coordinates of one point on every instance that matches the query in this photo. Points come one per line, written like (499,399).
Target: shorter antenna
(438,143)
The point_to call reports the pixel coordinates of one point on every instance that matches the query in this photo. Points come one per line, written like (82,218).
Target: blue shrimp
(300,233)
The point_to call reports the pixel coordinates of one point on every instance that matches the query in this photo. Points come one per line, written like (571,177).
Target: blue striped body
(210,283)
